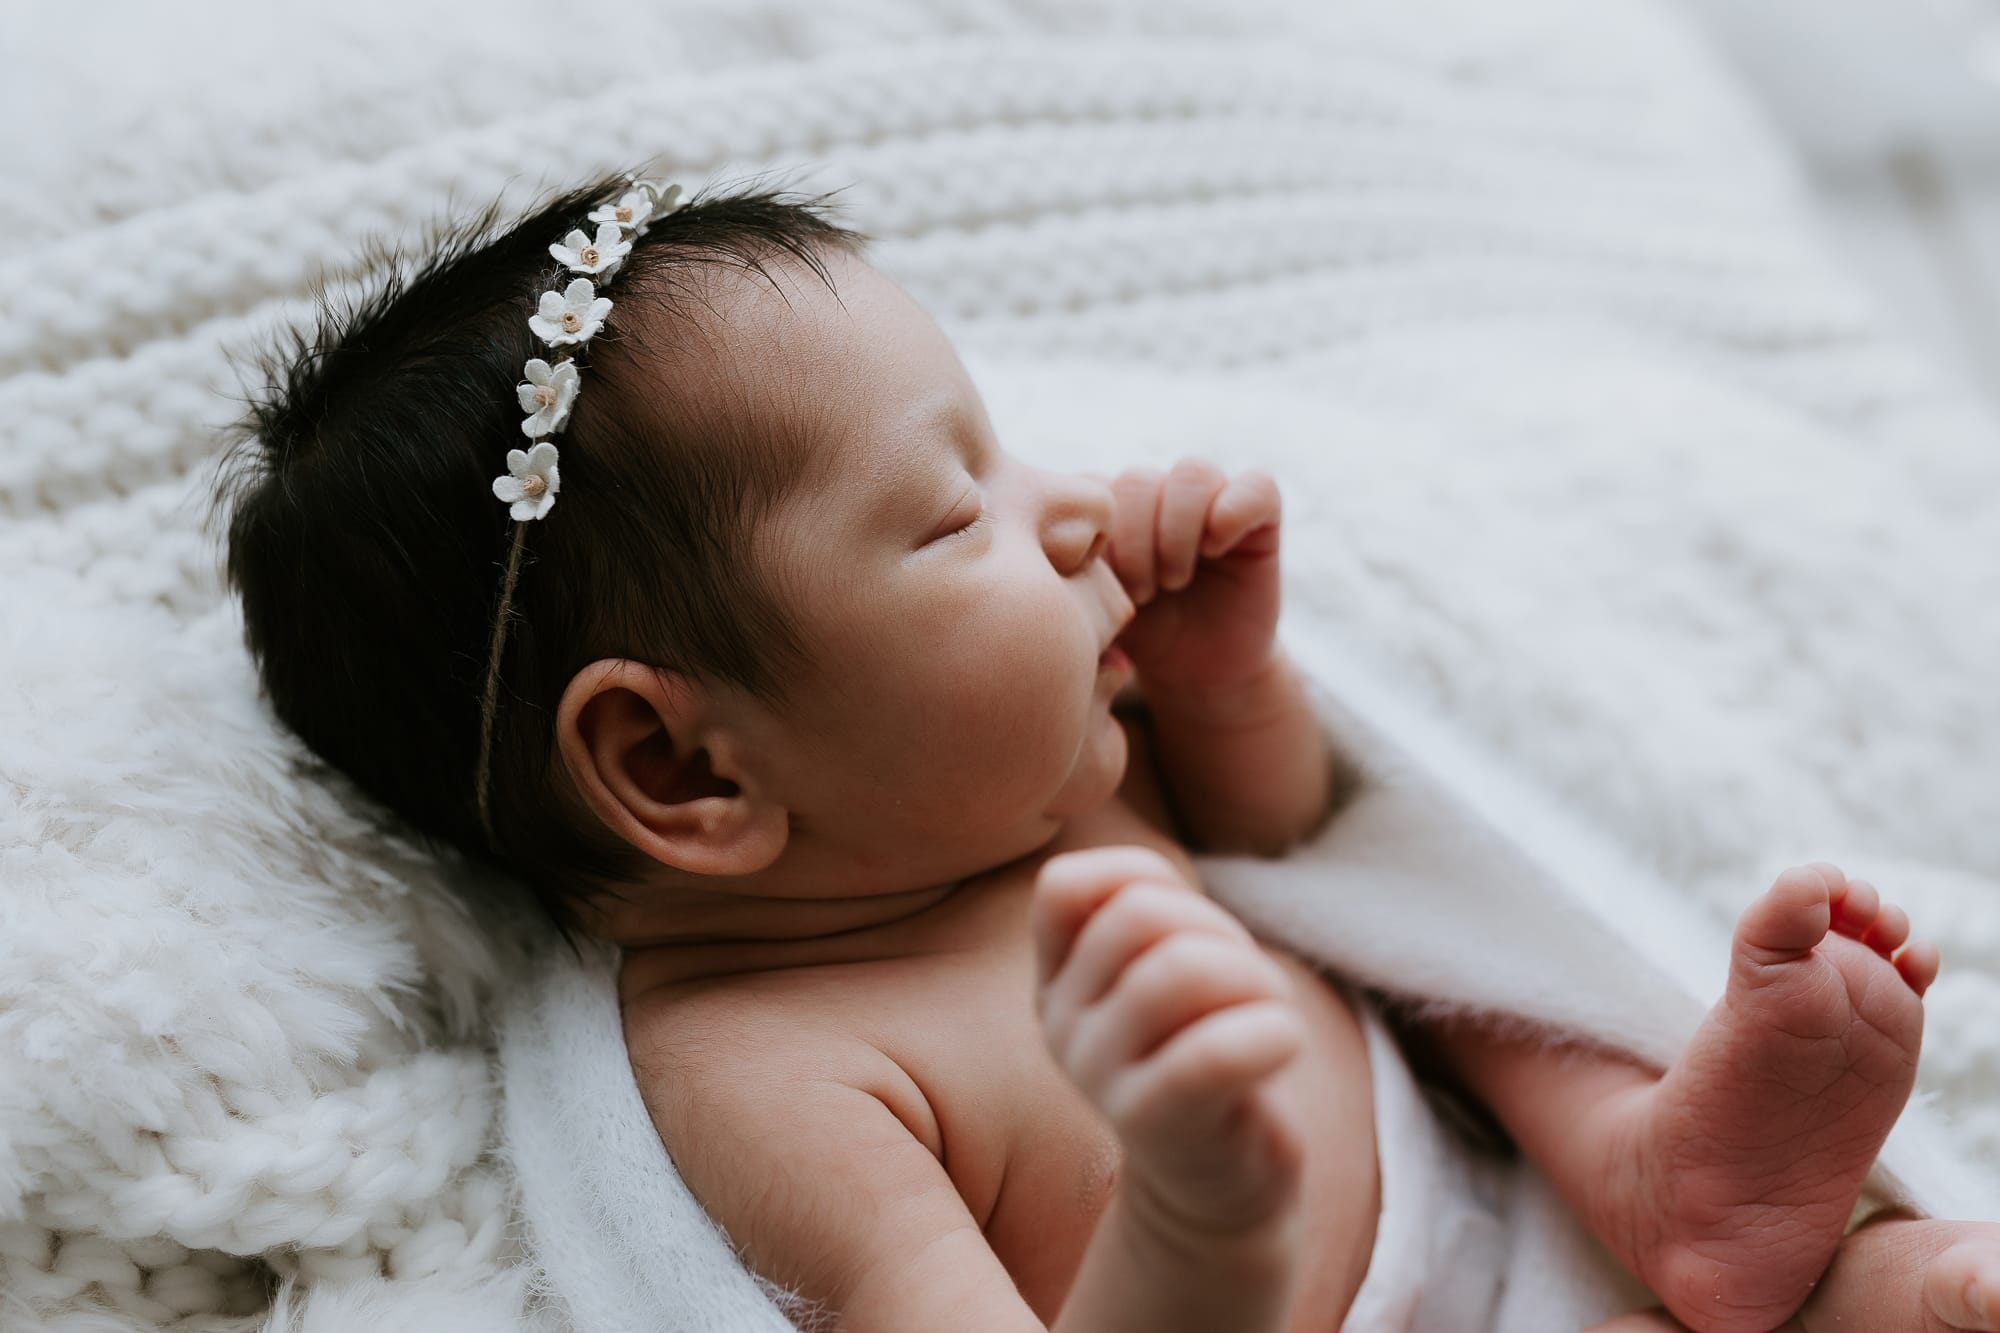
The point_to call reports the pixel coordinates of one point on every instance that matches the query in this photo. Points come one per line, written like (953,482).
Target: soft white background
(1587,440)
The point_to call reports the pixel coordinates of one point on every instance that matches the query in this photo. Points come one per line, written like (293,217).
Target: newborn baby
(880,753)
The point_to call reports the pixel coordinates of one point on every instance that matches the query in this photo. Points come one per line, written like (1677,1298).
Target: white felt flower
(630,210)
(583,255)
(547,394)
(666,198)
(531,483)
(570,316)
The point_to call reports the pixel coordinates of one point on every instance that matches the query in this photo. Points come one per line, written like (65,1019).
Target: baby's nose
(1076,524)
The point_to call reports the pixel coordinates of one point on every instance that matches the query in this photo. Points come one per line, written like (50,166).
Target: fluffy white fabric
(1590,460)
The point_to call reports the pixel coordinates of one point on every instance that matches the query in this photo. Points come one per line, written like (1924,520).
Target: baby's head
(795,627)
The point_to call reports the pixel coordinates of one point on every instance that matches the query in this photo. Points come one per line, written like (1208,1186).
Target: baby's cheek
(968,692)
(1016,703)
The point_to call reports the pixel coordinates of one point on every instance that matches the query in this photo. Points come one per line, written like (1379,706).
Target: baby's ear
(640,747)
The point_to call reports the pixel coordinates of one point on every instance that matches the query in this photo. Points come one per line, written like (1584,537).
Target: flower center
(589,255)
(570,322)
(624,213)
(533,485)
(546,396)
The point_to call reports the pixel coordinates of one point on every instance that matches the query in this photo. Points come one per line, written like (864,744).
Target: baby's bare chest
(1031,1158)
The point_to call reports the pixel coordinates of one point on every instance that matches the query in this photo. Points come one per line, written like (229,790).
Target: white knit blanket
(1592,461)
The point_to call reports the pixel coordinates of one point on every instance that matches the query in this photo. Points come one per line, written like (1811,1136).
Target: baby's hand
(1163,1010)
(1198,554)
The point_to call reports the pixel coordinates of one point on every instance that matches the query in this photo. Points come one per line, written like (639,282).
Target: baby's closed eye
(968,515)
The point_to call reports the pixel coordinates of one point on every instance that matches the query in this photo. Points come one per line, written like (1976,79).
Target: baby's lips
(1115,654)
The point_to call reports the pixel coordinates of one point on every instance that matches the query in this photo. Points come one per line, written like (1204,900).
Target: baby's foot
(1750,1152)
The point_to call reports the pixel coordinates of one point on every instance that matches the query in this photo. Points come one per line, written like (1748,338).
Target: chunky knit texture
(1616,477)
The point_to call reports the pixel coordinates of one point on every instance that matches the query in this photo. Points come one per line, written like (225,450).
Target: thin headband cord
(565,321)
(490,697)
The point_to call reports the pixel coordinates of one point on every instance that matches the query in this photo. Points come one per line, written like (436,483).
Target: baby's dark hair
(368,549)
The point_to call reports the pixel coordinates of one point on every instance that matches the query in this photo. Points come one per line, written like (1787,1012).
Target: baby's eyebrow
(901,462)
(954,425)
(914,457)
(946,420)
(938,430)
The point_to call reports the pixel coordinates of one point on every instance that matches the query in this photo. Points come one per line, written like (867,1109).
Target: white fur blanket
(1595,468)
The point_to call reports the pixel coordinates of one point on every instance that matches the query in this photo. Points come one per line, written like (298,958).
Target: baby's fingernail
(1975,1296)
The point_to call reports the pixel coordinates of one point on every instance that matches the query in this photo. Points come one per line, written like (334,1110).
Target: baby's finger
(1172,986)
(1137,495)
(1070,888)
(1135,919)
(1190,490)
(1191,1083)
(1249,504)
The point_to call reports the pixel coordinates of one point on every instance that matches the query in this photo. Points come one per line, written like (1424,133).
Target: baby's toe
(1962,1287)
(1890,932)
(1789,920)
(1856,905)
(1919,963)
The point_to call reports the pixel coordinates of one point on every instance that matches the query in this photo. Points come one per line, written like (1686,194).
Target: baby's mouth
(1114,655)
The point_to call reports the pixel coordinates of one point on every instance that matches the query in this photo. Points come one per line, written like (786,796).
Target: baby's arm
(1249,769)
(1240,749)
(805,1148)
(1162,1010)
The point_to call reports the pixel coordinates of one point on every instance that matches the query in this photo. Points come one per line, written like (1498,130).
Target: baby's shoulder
(785,1127)
(736,1025)
(711,1051)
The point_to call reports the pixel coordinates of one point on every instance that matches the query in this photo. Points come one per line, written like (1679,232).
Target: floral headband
(565,321)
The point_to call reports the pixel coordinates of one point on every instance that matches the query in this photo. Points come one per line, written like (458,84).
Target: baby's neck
(804,934)
(686,933)
(695,919)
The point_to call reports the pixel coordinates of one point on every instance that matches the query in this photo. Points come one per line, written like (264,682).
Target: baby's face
(954,601)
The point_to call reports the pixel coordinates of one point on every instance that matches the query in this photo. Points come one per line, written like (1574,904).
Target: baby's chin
(1099,768)
(989,838)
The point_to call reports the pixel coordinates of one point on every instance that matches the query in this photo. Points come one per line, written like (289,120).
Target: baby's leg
(1727,1183)
(1892,1276)
(1895,1275)
(1899,1275)
(1655,1321)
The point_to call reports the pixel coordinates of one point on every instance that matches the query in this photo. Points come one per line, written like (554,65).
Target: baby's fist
(1197,552)
(1165,1013)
